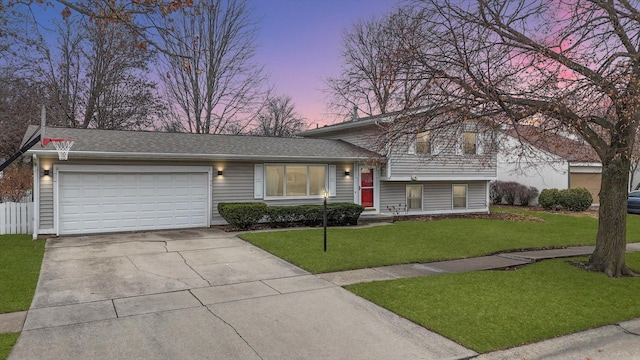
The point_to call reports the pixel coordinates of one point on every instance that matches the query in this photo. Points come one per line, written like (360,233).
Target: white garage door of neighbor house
(110,202)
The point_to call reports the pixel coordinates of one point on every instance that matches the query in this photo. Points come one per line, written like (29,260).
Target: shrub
(526,194)
(549,199)
(512,193)
(345,213)
(312,215)
(577,199)
(495,192)
(242,215)
(246,215)
(509,191)
(282,216)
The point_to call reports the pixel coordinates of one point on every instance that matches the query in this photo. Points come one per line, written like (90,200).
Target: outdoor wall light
(347,173)
(46,172)
(219,172)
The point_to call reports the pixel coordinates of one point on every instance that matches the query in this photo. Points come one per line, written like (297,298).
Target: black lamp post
(325,194)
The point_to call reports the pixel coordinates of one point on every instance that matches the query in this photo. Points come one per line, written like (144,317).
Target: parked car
(633,202)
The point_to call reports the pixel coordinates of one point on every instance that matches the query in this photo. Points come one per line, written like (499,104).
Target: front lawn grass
(6,343)
(427,241)
(20,260)
(490,310)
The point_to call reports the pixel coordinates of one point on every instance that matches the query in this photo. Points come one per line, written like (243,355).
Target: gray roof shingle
(185,145)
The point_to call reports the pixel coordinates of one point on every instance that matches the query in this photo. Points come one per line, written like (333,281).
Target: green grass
(6,343)
(20,260)
(426,241)
(491,310)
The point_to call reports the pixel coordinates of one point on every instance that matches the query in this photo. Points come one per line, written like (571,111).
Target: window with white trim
(414,197)
(459,194)
(295,181)
(470,144)
(423,142)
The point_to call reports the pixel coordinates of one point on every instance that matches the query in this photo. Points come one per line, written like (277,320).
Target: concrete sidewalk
(499,261)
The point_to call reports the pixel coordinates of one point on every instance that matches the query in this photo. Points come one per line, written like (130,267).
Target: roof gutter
(337,127)
(179,156)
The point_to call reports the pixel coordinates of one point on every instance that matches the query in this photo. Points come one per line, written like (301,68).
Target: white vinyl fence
(16,218)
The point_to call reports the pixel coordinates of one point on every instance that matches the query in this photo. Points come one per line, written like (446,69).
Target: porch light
(46,172)
(219,172)
(347,173)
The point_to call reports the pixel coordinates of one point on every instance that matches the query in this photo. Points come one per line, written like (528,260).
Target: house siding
(235,185)
(436,196)
(444,165)
(531,166)
(46,202)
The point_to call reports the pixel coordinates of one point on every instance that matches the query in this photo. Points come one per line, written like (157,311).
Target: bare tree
(141,18)
(374,75)
(17,109)
(279,118)
(576,63)
(97,78)
(120,96)
(211,80)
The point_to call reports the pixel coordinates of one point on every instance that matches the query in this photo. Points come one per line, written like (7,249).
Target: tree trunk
(611,241)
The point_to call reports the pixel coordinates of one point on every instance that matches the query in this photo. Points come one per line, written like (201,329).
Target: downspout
(36,196)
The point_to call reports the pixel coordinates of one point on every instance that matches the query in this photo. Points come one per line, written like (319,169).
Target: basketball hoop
(62,146)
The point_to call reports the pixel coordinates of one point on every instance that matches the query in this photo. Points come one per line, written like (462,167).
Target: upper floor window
(470,143)
(295,180)
(423,142)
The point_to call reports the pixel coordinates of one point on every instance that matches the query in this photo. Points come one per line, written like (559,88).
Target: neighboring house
(547,160)
(132,180)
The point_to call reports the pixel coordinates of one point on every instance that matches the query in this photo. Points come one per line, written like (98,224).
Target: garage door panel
(107,202)
(590,181)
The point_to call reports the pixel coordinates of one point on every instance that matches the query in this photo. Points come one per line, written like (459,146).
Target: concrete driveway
(203,294)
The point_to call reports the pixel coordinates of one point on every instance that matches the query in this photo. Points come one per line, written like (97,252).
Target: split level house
(117,181)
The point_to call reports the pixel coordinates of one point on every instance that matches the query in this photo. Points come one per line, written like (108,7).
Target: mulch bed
(491,216)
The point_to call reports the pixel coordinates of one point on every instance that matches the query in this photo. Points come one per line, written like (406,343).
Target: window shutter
(332,180)
(258,181)
(479,144)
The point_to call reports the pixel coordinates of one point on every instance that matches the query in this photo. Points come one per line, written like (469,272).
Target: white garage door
(110,202)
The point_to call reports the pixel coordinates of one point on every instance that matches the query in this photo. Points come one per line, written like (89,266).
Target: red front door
(366,187)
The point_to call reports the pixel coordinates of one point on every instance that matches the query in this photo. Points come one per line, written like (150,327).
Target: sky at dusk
(299,44)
